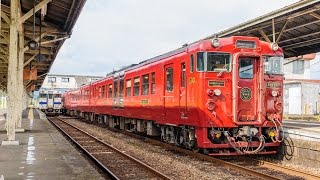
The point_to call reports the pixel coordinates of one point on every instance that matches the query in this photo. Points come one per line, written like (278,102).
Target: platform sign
(30,74)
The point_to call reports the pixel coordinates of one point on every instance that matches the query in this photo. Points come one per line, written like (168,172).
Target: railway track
(253,167)
(115,163)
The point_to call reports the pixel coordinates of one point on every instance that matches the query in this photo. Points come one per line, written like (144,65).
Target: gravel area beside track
(174,165)
(315,170)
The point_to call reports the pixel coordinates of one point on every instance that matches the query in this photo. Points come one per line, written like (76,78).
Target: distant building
(301,97)
(298,67)
(66,82)
(300,92)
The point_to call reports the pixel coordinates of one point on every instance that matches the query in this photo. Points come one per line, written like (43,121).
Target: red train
(222,96)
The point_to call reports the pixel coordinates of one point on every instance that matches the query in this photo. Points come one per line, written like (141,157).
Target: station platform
(303,129)
(302,142)
(43,153)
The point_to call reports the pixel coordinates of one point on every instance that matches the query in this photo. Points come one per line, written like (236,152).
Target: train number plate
(273,84)
(216,83)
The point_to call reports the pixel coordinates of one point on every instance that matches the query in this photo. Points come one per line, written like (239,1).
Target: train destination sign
(246,44)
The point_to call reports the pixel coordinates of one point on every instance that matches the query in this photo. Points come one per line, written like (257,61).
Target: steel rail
(203,157)
(293,172)
(94,159)
(140,163)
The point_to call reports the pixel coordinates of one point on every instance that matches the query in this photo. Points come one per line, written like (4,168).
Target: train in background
(50,102)
(222,96)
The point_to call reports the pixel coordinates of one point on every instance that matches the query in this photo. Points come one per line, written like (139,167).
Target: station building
(301,93)
(64,83)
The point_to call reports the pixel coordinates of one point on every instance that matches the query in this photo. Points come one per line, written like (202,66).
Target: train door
(183,92)
(248,74)
(118,92)
(50,100)
(168,97)
(115,92)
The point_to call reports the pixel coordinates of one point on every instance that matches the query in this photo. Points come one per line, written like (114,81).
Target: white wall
(288,71)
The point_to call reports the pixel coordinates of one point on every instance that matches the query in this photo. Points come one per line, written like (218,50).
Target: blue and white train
(50,102)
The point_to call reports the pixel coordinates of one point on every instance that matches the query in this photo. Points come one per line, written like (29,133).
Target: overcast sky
(110,34)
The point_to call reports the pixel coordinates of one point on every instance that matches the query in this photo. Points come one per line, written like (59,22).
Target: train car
(222,96)
(50,101)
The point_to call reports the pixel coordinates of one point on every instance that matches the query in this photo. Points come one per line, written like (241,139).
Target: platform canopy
(296,28)
(53,23)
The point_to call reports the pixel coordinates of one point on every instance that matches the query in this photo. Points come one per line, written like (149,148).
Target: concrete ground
(43,153)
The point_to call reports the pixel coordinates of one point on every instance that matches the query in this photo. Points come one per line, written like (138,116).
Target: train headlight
(210,105)
(210,92)
(274,46)
(274,93)
(217,92)
(215,42)
(278,106)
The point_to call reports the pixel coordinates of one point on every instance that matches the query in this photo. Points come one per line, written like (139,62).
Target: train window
(183,74)
(274,65)
(128,87)
(102,91)
(169,79)
(110,91)
(43,96)
(246,68)
(121,88)
(136,84)
(191,63)
(200,61)
(57,96)
(218,62)
(145,84)
(50,96)
(153,83)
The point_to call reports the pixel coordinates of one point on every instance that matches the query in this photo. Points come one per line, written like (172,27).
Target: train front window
(57,96)
(218,62)
(273,64)
(246,68)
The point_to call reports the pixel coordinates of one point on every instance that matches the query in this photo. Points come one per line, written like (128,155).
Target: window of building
(183,74)
(191,63)
(51,79)
(110,91)
(128,87)
(298,67)
(153,83)
(145,84)
(65,80)
(169,79)
(136,86)
(102,91)
(200,61)
(121,89)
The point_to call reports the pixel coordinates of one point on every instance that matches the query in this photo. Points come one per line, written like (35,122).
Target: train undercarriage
(244,140)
